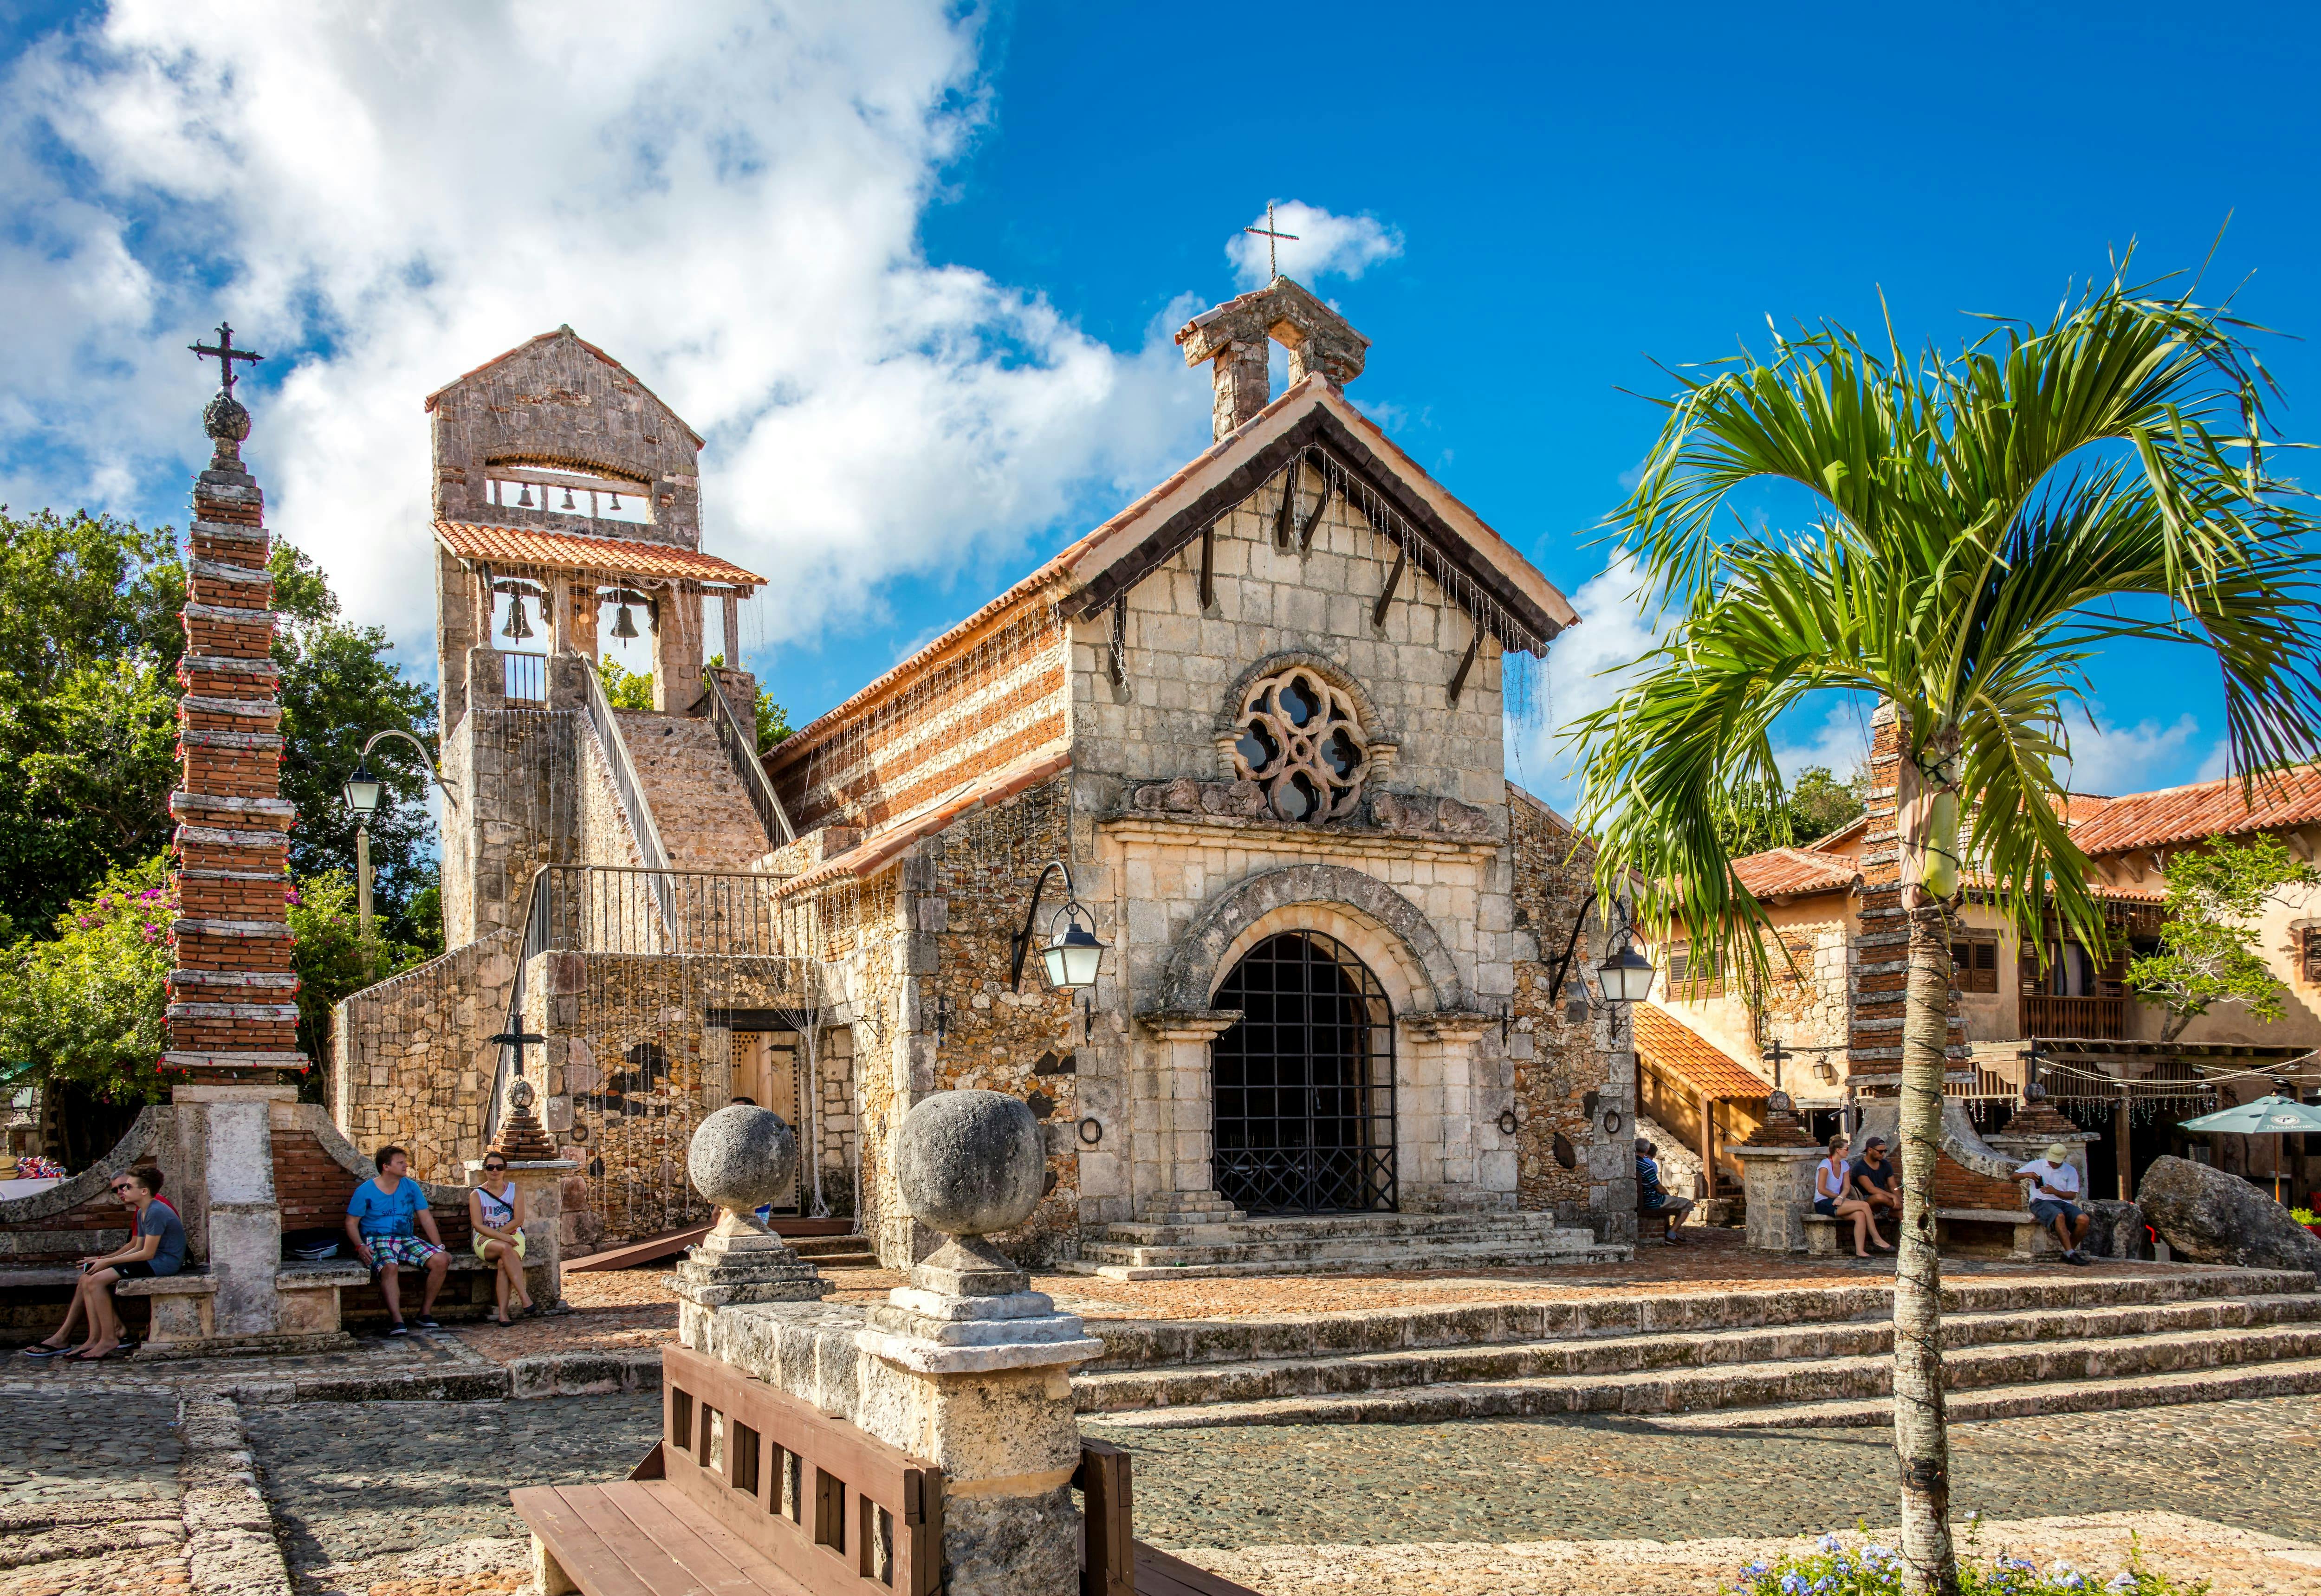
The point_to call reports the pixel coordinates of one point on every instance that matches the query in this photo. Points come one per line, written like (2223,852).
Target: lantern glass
(1073,955)
(362,791)
(1627,977)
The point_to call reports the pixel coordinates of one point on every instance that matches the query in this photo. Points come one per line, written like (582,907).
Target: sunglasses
(123,1186)
(494,1168)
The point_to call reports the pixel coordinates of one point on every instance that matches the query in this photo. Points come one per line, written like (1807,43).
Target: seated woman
(1834,1198)
(157,1246)
(496,1215)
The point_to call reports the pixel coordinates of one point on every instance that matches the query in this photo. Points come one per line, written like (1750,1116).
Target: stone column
(1446,1043)
(677,650)
(1241,377)
(232,1135)
(1172,1130)
(541,1183)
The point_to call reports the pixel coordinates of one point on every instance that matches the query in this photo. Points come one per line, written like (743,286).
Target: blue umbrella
(2266,1116)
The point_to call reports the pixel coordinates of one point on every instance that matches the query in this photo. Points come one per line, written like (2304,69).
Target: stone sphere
(970,1162)
(225,420)
(742,1156)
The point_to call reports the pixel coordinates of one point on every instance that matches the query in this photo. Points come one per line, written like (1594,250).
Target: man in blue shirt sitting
(384,1218)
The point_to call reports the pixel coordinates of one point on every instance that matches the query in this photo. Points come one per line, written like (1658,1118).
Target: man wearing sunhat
(2054,1193)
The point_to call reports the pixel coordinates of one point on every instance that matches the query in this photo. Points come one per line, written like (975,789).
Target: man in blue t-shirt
(384,1218)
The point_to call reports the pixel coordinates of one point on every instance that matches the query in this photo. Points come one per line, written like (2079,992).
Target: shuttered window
(1686,967)
(1976,960)
(2311,938)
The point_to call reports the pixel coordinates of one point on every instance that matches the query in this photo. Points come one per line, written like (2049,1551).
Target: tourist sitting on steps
(496,1215)
(156,1247)
(1833,1198)
(384,1218)
(2054,1193)
(1653,1202)
(1876,1180)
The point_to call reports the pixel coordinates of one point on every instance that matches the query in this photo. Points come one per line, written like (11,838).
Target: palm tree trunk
(1921,1429)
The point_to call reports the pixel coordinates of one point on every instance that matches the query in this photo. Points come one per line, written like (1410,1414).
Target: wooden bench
(752,1490)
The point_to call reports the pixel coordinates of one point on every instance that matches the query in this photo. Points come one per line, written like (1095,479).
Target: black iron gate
(1304,1083)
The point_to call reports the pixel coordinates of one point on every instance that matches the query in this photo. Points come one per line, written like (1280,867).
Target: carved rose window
(1300,740)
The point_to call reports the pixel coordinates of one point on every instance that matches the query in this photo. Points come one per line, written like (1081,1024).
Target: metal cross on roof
(225,354)
(1272,242)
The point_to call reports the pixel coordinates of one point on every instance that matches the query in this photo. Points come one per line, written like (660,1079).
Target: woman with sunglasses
(496,1216)
(157,1246)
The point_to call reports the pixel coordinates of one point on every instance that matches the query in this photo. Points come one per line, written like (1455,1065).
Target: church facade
(1247,734)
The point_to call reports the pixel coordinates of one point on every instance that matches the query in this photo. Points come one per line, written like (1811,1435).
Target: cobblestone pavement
(410,1499)
(2247,1463)
(71,1474)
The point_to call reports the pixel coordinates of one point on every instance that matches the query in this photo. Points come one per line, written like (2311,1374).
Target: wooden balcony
(2084,1019)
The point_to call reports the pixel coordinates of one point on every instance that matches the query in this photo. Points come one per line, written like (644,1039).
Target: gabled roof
(1665,1043)
(569,552)
(1098,567)
(564,331)
(2283,798)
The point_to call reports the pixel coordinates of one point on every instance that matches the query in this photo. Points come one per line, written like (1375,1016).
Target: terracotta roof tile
(866,858)
(2290,797)
(1665,1043)
(569,551)
(1787,871)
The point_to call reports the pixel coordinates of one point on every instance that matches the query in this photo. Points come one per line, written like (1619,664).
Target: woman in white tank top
(1833,1198)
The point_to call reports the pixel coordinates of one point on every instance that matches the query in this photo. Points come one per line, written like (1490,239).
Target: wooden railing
(2091,1018)
(842,1511)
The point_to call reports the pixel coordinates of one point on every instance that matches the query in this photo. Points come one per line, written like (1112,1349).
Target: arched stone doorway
(1303,1083)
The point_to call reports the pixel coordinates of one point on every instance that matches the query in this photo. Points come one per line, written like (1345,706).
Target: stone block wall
(409,1062)
(1573,1078)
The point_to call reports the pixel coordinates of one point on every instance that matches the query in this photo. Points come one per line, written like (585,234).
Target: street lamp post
(362,792)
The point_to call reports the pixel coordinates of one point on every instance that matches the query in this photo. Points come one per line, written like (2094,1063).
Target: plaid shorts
(400,1249)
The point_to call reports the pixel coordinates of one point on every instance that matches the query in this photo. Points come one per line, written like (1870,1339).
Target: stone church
(1247,734)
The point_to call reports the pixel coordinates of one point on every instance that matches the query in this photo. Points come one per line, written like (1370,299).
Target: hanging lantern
(517,627)
(523,500)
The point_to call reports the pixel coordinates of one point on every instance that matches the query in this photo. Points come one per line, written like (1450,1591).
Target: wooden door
(766,1071)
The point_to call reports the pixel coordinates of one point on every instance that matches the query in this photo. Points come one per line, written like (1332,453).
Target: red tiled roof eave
(1796,872)
(1666,1043)
(571,551)
(2282,798)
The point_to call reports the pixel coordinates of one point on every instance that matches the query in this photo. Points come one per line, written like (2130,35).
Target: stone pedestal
(2030,1132)
(741,1264)
(1776,1186)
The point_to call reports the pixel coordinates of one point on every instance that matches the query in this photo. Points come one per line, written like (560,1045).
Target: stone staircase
(1799,1357)
(697,801)
(1339,1244)
(835,1252)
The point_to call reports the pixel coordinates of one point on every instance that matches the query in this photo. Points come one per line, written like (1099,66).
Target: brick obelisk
(233,1011)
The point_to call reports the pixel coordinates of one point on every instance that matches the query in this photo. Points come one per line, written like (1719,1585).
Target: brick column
(232,1012)
(1875,995)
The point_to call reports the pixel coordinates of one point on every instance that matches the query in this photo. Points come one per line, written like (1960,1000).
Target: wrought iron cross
(1272,242)
(1776,1052)
(225,354)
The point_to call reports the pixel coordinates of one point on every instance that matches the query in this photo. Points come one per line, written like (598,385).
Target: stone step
(835,1252)
(1340,1375)
(1345,1226)
(698,803)
(1372,1261)
(1756,1385)
(1147,1343)
(2288,1377)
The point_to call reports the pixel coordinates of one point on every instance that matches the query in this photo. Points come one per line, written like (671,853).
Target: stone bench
(2028,1239)
(183,1307)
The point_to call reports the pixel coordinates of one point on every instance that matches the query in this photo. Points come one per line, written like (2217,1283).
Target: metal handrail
(741,744)
(631,791)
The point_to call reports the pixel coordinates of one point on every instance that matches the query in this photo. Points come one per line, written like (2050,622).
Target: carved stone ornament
(1302,742)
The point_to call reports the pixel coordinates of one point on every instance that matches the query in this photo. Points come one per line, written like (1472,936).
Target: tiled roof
(866,858)
(2290,797)
(1665,1043)
(1787,871)
(569,551)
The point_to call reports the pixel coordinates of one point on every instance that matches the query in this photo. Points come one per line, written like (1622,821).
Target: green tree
(334,960)
(1762,814)
(1981,523)
(2209,953)
(89,642)
(773,720)
(339,687)
(625,689)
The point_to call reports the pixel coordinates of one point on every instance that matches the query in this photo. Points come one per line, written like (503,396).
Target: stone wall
(1574,1079)
(409,1062)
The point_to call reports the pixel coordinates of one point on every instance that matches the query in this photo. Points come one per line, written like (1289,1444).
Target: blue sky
(913,271)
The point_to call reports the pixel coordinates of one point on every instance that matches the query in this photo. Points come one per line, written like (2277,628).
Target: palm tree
(1981,523)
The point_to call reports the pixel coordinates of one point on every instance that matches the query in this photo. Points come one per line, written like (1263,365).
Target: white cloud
(725,196)
(1325,243)
(1587,667)
(1840,746)
(2110,759)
